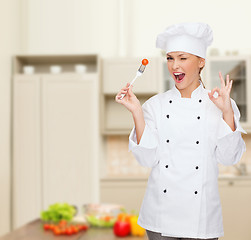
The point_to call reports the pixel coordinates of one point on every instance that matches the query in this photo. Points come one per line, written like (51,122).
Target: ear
(201,62)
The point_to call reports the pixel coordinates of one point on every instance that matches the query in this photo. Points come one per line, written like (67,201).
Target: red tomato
(121,229)
(68,231)
(57,231)
(47,226)
(145,62)
(63,230)
(83,227)
(52,226)
(62,223)
(74,229)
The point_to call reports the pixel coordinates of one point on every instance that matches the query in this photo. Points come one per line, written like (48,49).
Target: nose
(175,65)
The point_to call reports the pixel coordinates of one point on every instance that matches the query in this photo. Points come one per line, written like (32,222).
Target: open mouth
(179,76)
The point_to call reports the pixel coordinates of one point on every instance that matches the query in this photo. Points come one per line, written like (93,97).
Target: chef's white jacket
(183,141)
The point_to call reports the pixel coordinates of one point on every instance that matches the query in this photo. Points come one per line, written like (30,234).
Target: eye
(169,58)
(183,58)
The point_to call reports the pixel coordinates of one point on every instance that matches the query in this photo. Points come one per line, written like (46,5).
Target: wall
(129,27)
(228,19)
(10,38)
(71,26)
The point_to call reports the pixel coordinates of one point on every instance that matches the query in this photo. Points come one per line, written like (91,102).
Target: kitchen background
(107,35)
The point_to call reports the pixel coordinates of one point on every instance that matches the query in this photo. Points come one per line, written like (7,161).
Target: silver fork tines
(142,68)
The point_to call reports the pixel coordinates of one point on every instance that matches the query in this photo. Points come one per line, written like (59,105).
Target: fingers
(117,97)
(216,89)
(227,81)
(127,90)
(222,80)
(230,86)
(130,90)
(120,93)
(126,87)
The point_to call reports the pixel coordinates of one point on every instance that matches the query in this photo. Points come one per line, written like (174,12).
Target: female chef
(182,135)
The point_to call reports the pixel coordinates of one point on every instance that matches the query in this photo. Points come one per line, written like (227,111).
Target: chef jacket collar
(195,92)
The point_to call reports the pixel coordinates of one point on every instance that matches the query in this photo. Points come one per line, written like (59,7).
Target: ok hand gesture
(223,101)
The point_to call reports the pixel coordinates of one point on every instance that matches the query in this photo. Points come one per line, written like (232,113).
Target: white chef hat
(192,38)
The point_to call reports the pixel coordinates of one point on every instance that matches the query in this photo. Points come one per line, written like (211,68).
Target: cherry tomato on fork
(145,62)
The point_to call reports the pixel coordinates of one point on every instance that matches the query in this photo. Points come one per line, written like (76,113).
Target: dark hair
(199,74)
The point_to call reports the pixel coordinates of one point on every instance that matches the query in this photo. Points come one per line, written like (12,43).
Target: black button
(166,166)
(167,140)
(195,192)
(167,116)
(170,101)
(197,142)
(200,100)
(164,191)
(197,167)
(198,117)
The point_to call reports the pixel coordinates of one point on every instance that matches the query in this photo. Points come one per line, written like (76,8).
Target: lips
(179,76)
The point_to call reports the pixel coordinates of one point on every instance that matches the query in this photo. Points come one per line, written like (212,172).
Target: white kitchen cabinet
(235,196)
(116,72)
(119,71)
(117,119)
(239,69)
(124,191)
(55,137)
(26,167)
(68,132)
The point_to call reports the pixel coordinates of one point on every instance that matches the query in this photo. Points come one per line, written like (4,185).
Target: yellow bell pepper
(136,230)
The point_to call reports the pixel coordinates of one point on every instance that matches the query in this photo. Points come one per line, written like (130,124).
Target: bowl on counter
(28,69)
(55,69)
(101,215)
(80,68)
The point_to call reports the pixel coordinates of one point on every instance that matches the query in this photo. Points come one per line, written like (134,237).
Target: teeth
(177,74)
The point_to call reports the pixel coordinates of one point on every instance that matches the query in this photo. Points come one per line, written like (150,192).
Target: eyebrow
(178,55)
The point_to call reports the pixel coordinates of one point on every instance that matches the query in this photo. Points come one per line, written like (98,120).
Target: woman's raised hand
(130,101)
(223,101)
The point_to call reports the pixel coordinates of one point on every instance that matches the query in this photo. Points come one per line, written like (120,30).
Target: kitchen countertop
(34,231)
(235,177)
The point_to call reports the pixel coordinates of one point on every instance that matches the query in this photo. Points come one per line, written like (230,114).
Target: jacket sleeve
(230,145)
(145,151)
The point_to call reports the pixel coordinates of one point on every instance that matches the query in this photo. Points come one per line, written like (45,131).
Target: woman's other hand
(223,101)
(130,101)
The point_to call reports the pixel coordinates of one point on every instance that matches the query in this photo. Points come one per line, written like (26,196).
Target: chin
(180,85)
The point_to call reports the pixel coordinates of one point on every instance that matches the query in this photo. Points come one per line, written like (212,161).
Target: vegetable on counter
(58,211)
(101,221)
(136,230)
(127,224)
(122,226)
(65,228)
(101,214)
